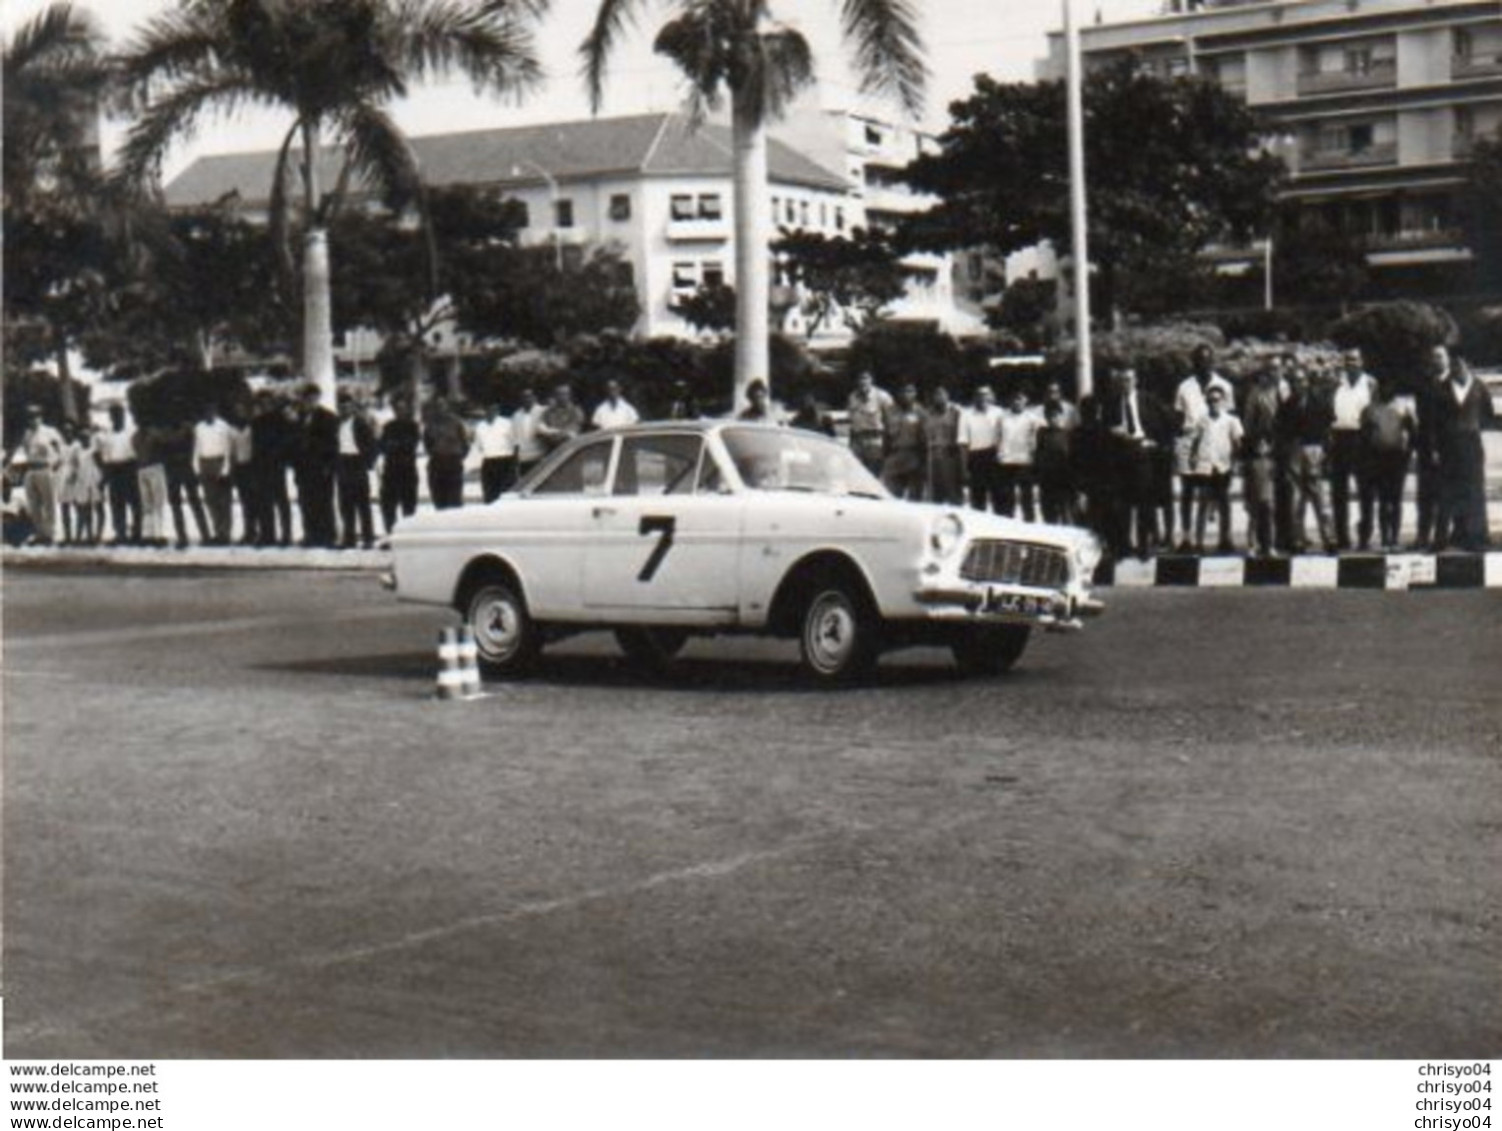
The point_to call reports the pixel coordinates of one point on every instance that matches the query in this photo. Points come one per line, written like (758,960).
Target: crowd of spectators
(1136,466)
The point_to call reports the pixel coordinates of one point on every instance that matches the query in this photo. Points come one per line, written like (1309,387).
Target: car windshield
(788,460)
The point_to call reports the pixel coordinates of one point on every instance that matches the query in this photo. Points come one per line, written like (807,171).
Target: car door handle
(602,512)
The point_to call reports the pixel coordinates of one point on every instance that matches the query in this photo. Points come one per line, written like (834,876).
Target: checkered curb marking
(1352,571)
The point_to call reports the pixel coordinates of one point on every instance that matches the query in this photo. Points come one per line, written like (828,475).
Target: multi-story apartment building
(651,186)
(1374,104)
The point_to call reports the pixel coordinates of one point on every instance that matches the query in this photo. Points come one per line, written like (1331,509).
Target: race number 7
(663,526)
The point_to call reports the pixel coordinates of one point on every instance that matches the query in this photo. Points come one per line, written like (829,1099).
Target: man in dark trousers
(272,441)
(117,454)
(399,442)
(176,448)
(1137,426)
(447,442)
(1463,410)
(357,452)
(317,459)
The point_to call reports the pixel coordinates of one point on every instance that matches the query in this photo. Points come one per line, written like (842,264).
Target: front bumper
(961,601)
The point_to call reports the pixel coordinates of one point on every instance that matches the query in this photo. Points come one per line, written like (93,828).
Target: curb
(1351,571)
(200,557)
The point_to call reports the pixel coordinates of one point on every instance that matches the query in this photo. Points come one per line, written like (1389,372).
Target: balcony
(1415,239)
(1324,160)
(1382,74)
(698,229)
(1476,66)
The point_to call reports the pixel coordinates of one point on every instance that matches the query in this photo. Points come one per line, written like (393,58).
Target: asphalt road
(1243,823)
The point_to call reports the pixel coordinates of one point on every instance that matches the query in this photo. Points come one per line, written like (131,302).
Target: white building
(648,185)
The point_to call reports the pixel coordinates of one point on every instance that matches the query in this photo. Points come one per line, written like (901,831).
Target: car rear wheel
(990,649)
(840,634)
(651,648)
(506,637)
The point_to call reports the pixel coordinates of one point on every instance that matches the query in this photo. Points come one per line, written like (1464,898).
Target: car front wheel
(990,649)
(840,635)
(506,637)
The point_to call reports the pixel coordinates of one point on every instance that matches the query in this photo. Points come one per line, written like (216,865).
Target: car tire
(990,649)
(506,637)
(839,638)
(651,648)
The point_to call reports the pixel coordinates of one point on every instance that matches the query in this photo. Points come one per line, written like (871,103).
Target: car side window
(583,473)
(657,465)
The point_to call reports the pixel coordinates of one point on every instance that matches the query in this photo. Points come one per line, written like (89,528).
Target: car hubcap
(496,626)
(831,633)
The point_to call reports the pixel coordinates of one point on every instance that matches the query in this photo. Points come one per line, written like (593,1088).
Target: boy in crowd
(1217,442)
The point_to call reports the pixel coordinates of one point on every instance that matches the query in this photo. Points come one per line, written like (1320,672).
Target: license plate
(998,601)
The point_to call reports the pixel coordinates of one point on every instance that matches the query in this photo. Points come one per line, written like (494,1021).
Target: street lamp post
(1074,83)
(552,183)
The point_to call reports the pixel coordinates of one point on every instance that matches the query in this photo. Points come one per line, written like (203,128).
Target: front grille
(1016,563)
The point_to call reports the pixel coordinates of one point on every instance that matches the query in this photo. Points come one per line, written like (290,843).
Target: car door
(664,543)
(550,529)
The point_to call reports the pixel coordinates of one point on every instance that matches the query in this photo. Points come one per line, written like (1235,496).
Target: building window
(523,213)
(682,207)
(620,206)
(1358,61)
(1465,121)
(873,135)
(709,206)
(823,215)
(1360,138)
(790,212)
(563,213)
(803,213)
(685,276)
(839,219)
(1464,44)
(712,273)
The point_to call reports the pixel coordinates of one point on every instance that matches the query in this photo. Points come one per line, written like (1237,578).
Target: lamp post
(1074,83)
(552,183)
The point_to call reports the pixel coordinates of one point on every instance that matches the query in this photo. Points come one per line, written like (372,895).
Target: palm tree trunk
(318,318)
(753,223)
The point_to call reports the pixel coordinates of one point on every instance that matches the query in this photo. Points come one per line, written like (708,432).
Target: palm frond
(889,53)
(697,44)
(493,45)
(57,33)
(175,115)
(379,152)
(786,69)
(172,46)
(278,205)
(611,19)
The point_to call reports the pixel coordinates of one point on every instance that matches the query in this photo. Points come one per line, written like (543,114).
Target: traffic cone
(458,666)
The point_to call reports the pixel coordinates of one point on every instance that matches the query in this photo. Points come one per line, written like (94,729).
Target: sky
(1004,38)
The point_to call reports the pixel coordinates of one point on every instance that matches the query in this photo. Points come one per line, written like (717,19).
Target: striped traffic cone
(458,669)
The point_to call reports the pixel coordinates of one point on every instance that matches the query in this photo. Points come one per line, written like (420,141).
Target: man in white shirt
(1016,437)
(614,411)
(212,440)
(1353,394)
(529,446)
(980,427)
(495,439)
(1191,405)
(43,445)
(868,407)
(117,454)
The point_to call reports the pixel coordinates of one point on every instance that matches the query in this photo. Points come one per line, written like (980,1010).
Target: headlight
(947,533)
(1087,556)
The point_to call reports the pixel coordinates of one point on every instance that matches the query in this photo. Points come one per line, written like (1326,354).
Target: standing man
(151,476)
(43,445)
(1191,405)
(178,458)
(524,421)
(868,407)
(399,441)
(1016,444)
(562,420)
(446,439)
(615,410)
(317,461)
(1260,443)
(211,463)
(1304,428)
(906,445)
(1428,407)
(357,452)
(980,430)
(272,444)
(946,460)
(117,455)
(1387,428)
(242,469)
(1464,410)
(1353,393)
(495,437)
(1134,423)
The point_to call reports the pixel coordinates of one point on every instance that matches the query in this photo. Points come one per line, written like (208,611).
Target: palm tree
(737,46)
(336,66)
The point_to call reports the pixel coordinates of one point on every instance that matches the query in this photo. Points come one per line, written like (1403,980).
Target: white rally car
(662,531)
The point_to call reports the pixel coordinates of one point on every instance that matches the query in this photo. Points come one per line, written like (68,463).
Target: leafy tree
(896,353)
(852,278)
(1482,209)
(336,66)
(531,297)
(709,307)
(736,47)
(1172,168)
(54,233)
(1314,262)
(1027,310)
